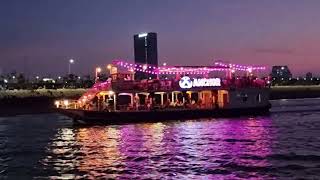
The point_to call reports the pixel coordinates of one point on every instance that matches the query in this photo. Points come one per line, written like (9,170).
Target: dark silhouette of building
(281,73)
(145,52)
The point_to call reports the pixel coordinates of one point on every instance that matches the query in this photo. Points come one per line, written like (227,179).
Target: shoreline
(20,102)
(294,92)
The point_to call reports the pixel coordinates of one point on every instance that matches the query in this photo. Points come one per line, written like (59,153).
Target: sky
(38,37)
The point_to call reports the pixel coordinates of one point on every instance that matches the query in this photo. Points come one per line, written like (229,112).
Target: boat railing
(144,85)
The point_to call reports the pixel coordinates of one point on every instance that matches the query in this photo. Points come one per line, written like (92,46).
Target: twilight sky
(39,36)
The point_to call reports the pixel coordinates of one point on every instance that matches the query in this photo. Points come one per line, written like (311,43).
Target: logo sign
(186,82)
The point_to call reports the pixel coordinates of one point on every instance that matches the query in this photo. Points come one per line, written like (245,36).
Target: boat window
(124,100)
(244,97)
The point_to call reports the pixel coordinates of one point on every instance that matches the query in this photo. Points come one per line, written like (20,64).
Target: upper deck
(156,85)
(179,78)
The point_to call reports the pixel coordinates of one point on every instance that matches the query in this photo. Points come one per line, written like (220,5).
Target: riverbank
(294,92)
(15,102)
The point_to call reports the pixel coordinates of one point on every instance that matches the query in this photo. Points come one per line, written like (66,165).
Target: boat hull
(98,117)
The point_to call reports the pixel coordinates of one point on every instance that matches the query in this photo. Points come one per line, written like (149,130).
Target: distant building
(145,52)
(309,75)
(281,73)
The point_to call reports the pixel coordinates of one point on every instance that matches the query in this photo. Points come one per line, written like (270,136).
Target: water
(284,145)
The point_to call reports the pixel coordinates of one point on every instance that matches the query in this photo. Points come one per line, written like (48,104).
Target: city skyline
(40,35)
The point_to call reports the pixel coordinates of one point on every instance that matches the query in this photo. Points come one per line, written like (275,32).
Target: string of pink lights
(240,67)
(219,66)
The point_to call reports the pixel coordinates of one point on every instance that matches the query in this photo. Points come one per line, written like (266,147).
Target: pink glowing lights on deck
(218,66)
(92,92)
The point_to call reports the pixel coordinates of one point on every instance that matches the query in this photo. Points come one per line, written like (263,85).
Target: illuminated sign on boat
(186,82)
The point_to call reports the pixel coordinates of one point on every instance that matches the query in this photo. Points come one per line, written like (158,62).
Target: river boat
(170,93)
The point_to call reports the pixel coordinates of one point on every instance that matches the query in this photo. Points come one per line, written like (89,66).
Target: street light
(98,70)
(71,61)
(109,67)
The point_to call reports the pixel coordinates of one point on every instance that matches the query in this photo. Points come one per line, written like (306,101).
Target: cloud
(274,51)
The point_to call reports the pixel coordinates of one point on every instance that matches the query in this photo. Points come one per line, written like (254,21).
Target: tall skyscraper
(145,52)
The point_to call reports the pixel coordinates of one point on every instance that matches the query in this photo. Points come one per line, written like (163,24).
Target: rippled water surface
(283,145)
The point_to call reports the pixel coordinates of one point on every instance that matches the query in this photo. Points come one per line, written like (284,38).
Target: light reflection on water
(281,146)
(191,149)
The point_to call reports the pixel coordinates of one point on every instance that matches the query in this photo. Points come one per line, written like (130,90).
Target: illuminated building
(145,52)
(280,72)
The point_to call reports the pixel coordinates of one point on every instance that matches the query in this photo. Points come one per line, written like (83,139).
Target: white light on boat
(66,102)
(144,67)
(111,92)
(57,103)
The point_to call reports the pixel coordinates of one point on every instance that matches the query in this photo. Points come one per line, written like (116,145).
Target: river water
(284,145)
